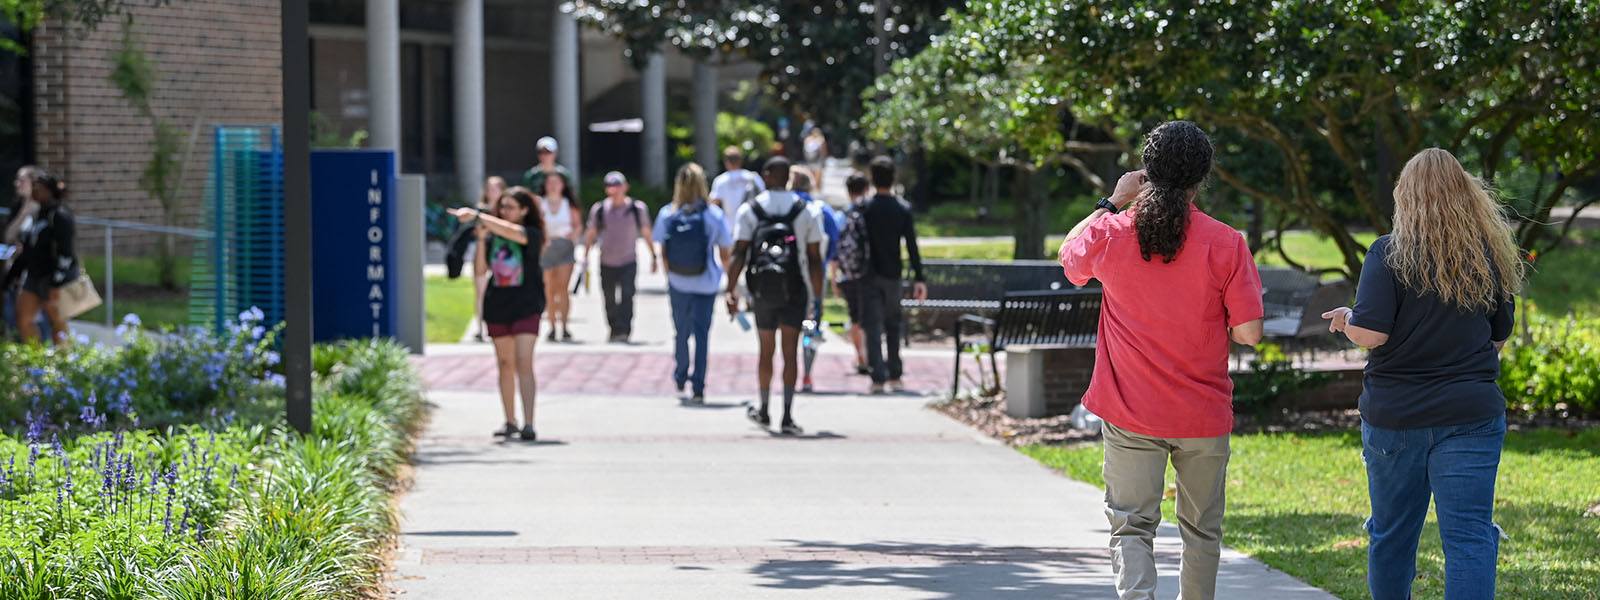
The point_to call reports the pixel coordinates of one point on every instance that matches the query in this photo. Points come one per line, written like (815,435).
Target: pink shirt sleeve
(1080,256)
(1241,295)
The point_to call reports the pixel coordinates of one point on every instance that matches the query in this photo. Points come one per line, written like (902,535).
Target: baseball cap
(546,143)
(616,178)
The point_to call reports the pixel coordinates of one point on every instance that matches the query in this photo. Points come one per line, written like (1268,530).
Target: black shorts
(850,291)
(770,316)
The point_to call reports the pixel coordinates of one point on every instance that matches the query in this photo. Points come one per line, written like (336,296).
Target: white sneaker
(896,386)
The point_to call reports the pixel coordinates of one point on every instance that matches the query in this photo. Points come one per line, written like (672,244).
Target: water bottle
(744,320)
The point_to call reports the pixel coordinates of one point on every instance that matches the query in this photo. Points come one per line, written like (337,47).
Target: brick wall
(1066,378)
(217,63)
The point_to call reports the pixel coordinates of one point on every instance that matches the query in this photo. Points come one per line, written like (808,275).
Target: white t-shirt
(807,225)
(730,188)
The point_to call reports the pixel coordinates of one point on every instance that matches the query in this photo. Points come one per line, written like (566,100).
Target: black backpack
(855,251)
(773,269)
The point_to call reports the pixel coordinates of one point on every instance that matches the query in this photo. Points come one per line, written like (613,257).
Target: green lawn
(1568,278)
(136,290)
(1298,503)
(449,307)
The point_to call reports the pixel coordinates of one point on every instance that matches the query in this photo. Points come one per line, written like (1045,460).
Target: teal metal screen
(242,267)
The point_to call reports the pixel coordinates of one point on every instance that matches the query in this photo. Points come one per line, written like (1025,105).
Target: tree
(84,16)
(941,99)
(135,75)
(817,56)
(1505,84)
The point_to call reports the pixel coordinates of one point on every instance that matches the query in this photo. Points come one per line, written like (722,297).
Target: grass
(137,290)
(1298,503)
(1568,279)
(448,305)
(1312,249)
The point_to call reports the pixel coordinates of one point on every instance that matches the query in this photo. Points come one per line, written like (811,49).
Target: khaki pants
(1135,469)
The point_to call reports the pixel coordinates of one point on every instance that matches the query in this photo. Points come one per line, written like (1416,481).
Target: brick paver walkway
(650,373)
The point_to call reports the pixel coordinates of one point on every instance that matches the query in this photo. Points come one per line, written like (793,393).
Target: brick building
(218,63)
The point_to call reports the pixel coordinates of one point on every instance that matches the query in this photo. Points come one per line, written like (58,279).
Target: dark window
(339,12)
(412,159)
(441,92)
(16,105)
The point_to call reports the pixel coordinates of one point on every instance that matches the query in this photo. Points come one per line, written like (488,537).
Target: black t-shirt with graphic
(516,283)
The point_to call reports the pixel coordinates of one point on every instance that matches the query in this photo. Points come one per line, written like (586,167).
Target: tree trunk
(974,191)
(1388,167)
(1029,190)
(991,197)
(920,191)
(1258,222)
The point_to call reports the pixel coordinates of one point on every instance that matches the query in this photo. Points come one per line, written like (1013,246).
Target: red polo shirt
(1161,363)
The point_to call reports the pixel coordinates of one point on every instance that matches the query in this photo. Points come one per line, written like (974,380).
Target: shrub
(1272,378)
(236,511)
(188,375)
(1553,365)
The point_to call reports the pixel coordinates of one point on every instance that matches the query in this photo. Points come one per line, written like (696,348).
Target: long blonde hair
(690,185)
(1445,220)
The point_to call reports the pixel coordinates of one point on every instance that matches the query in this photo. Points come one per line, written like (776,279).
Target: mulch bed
(989,416)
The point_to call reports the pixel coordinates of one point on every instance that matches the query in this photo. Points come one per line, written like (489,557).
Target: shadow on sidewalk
(948,571)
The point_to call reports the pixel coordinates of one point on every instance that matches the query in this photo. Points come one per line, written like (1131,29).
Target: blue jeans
(1456,466)
(691,315)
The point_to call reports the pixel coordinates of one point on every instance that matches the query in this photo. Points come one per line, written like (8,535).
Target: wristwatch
(1108,205)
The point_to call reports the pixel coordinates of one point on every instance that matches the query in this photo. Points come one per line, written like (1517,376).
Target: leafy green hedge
(1554,367)
(238,511)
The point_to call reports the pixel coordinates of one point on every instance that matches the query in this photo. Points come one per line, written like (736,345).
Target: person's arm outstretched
(495,225)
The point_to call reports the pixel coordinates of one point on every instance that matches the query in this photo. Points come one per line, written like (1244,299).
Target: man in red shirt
(1178,285)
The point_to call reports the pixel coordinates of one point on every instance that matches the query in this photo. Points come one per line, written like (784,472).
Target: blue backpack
(688,245)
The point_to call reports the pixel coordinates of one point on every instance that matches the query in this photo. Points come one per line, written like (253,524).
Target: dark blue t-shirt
(1439,366)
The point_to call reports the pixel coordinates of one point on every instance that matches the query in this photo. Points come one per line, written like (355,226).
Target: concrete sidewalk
(639,497)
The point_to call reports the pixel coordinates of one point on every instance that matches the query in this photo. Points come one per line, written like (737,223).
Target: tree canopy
(1339,94)
(817,56)
(82,15)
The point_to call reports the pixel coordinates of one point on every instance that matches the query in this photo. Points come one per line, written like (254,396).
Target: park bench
(957,287)
(1301,329)
(1066,318)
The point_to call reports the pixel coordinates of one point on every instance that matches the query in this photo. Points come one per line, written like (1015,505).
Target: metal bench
(957,287)
(1303,328)
(1284,291)
(1064,318)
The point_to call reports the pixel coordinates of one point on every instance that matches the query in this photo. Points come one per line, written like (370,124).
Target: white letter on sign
(374,235)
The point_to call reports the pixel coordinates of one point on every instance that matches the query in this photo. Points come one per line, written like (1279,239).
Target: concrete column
(653,97)
(565,90)
(468,58)
(383,74)
(706,151)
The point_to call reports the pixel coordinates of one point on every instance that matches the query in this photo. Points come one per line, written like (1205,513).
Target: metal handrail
(111,225)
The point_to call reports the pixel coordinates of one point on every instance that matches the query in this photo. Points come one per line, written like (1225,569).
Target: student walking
(619,268)
(888,220)
(692,233)
(849,262)
(1178,285)
(777,237)
(533,179)
(1435,306)
(493,188)
(811,332)
(509,247)
(46,260)
(734,186)
(562,223)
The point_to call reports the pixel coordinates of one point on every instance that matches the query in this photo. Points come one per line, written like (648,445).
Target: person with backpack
(849,265)
(691,233)
(885,219)
(619,268)
(811,334)
(778,249)
(735,186)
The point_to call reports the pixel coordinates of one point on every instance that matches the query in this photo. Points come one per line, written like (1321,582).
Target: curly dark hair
(1177,159)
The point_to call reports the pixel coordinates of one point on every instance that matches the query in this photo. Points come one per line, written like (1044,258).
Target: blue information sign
(352,247)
